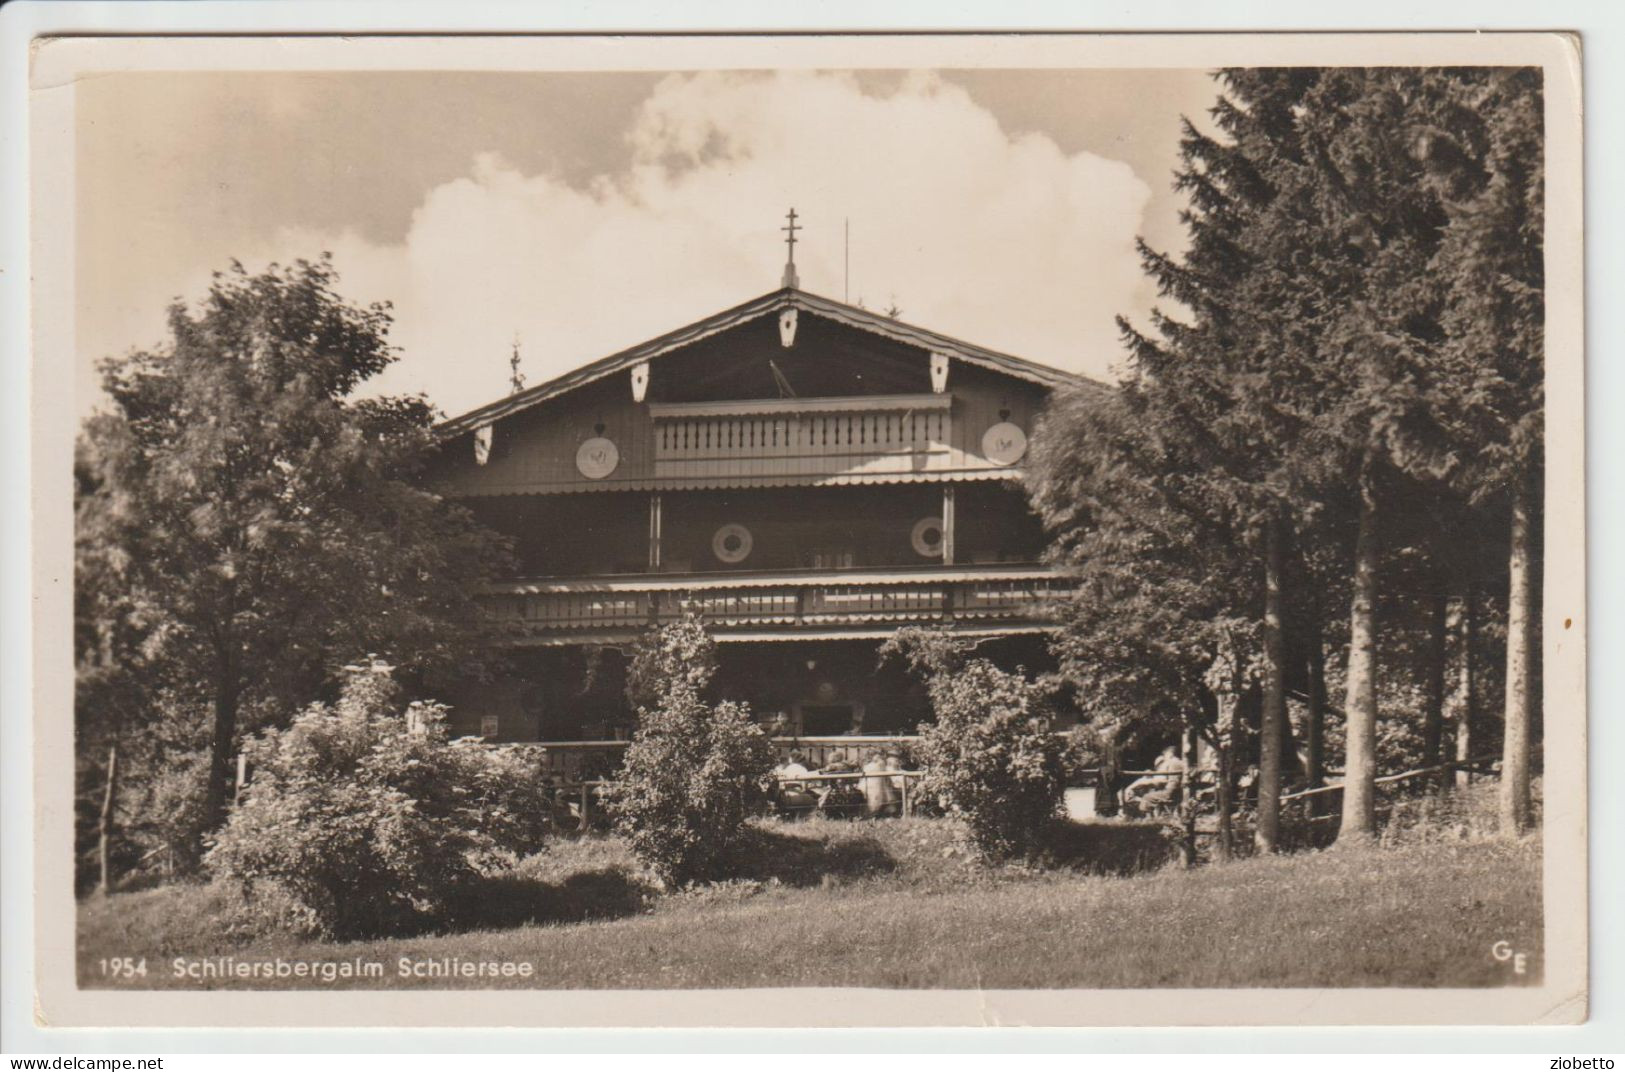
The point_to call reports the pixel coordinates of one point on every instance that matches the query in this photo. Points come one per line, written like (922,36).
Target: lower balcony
(787,605)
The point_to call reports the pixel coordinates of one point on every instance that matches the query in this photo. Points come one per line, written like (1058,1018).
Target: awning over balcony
(695,582)
(723,482)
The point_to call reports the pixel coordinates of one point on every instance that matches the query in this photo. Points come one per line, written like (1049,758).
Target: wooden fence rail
(1389,779)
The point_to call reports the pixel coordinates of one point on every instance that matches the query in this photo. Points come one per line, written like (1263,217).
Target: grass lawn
(893,904)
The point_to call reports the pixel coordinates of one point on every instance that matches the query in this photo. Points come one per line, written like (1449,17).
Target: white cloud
(1002,240)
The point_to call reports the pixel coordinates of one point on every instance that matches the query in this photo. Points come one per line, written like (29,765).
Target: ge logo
(1504,952)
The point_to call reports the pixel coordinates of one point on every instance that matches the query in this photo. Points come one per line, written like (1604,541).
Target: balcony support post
(947,524)
(654,532)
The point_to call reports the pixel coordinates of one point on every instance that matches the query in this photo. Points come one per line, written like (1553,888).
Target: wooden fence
(1187,806)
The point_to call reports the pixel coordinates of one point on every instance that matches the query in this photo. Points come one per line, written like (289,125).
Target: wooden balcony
(803,437)
(786,605)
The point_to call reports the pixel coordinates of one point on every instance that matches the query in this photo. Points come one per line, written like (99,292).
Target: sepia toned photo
(899,530)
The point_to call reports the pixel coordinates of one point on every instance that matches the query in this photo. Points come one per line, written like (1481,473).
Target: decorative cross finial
(790,229)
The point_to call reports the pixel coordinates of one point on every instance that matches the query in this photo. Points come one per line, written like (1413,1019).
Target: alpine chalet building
(806,475)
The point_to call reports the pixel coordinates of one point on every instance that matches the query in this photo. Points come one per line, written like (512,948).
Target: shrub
(990,757)
(364,822)
(171,827)
(158,813)
(694,770)
(679,656)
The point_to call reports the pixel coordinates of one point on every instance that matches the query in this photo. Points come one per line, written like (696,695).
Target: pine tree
(1482,150)
(1203,387)
(1353,372)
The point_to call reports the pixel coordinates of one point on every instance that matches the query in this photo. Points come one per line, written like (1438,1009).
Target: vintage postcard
(809,530)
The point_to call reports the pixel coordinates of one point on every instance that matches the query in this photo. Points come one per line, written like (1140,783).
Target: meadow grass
(898,904)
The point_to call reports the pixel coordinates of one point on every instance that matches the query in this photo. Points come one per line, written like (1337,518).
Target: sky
(581,213)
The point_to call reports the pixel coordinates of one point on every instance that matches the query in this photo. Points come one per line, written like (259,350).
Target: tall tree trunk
(1224,797)
(1433,712)
(1314,731)
(1360,705)
(1273,719)
(1291,757)
(1520,643)
(1229,729)
(1187,789)
(1467,704)
(220,755)
(105,827)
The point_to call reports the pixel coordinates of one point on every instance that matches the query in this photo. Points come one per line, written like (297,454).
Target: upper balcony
(803,437)
(599,440)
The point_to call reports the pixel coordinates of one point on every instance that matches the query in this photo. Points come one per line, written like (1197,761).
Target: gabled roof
(768,304)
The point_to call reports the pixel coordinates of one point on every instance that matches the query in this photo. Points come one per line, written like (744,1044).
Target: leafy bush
(158,805)
(990,757)
(679,656)
(694,770)
(171,827)
(366,822)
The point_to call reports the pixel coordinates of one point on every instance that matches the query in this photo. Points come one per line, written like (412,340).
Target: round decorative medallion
(1004,443)
(927,537)
(597,458)
(732,543)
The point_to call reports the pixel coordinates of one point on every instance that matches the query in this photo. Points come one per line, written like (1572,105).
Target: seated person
(793,795)
(838,763)
(894,762)
(1153,792)
(841,798)
(794,767)
(879,794)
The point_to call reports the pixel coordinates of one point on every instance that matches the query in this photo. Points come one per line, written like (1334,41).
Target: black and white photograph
(881,526)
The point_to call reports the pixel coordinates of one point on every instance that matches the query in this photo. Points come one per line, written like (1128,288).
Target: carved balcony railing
(985,599)
(892,434)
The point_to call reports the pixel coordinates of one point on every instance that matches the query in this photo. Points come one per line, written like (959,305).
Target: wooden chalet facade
(806,475)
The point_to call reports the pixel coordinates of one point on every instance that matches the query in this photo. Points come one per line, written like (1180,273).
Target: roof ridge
(784,297)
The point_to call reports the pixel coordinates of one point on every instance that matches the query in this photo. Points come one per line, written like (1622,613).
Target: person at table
(894,766)
(838,763)
(841,799)
(879,795)
(1153,793)
(793,795)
